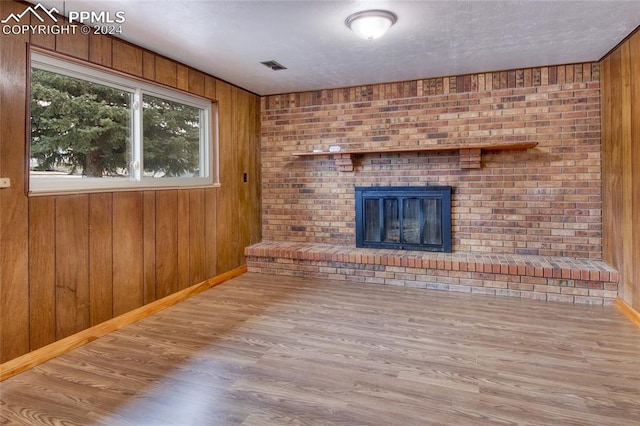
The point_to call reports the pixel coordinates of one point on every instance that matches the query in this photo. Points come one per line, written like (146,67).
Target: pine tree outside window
(93,130)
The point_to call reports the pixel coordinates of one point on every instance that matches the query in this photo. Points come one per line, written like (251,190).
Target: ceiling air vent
(273,65)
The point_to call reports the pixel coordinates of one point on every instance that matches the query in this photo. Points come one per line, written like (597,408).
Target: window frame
(53,62)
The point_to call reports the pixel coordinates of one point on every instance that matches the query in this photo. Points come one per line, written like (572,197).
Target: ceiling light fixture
(371,24)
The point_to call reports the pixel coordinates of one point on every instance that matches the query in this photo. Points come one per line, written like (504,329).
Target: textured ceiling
(229,39)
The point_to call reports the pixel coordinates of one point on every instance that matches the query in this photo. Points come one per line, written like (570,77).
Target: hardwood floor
(265,350)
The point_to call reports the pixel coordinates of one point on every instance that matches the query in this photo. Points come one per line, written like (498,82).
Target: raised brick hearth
(535,277)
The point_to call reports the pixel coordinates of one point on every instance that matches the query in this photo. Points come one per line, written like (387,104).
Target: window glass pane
(372,220)
(391,220)
(171,138)
(432,227)
(78,128)
(93,130)
(410,221)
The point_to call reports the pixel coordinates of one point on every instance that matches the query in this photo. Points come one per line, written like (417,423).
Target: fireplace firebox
(405,218)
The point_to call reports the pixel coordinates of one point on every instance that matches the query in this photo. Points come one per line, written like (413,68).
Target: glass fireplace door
(406,218)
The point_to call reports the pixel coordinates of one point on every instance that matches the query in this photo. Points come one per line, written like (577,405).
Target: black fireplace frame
(400,193)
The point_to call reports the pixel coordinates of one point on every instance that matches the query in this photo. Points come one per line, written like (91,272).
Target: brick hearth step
(560,279)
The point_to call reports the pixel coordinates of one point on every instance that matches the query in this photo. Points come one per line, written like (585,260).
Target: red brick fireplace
(539,205)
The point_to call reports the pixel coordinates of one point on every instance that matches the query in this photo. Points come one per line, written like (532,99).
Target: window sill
(70,191)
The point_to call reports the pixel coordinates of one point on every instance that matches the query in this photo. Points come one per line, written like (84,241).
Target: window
(95,130)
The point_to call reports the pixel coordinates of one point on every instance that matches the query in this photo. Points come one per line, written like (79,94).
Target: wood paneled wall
(620,76)
(69,262)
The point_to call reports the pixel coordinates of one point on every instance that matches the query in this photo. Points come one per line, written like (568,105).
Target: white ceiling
(229,39)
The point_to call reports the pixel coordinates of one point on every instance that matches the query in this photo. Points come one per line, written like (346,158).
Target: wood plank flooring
(267,350)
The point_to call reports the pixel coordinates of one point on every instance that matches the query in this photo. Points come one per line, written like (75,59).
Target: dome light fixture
(371,24)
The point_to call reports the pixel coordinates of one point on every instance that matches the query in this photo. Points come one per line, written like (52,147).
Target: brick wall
(544,201)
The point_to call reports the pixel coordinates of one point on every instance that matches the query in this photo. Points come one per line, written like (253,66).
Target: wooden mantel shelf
(470,154)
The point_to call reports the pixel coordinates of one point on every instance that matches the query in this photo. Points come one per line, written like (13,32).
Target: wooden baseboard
(55,349)
(628,311)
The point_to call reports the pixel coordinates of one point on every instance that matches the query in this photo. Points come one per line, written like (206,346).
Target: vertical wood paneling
(73,44)
(149,236)
(197,235)
(128,255)
(148,65)
(228,203)
(42,279)
(183,77)
(166,71)
(72,264)
(243,132)
(196,82)
(612,163)
(247,135)
(100,257)
(166,243)
(620,78)
(100,50)
(127,58)
(608,191)
(210,231)
(210,87)
(634,51)
(14,230)
(627,172)
(183,239)
(614,154)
